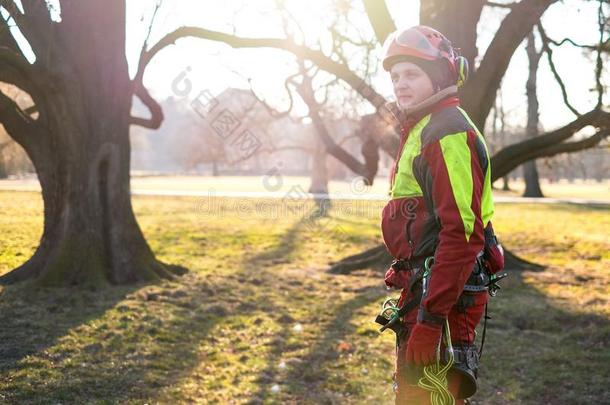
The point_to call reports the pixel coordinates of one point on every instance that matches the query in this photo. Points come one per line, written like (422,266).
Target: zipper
(408,229)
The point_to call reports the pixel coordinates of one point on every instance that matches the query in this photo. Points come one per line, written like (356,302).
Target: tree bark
(80,149)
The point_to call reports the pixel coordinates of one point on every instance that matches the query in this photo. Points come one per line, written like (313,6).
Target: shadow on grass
(33,319)
(304,378)
(124,343)
(308,376)
(538,352)
(287,244)
(76,346)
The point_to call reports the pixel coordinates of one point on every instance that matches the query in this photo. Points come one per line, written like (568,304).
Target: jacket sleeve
(453,180)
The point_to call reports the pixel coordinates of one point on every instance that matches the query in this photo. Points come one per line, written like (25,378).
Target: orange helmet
(422,42)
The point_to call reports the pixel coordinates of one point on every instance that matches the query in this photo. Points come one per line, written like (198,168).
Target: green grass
(259,319)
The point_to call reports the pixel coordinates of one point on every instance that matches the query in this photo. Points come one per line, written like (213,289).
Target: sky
(213,67)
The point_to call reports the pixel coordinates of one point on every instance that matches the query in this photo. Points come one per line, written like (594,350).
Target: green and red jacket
(441,200)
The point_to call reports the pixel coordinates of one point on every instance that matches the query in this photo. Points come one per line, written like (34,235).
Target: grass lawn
(259,320)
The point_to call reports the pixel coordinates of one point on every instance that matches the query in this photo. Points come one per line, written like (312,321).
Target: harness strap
(414,287)
(427,317)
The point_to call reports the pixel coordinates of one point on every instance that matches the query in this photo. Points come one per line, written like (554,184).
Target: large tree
(77,137)
(77,133)
(459,19)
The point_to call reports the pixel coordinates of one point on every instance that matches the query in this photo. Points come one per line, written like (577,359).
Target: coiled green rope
(435,375)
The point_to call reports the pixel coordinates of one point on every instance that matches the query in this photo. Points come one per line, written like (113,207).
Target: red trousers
(461,326)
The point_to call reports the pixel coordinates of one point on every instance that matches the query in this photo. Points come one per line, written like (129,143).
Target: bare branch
(326,88)
(156,112)
(15,70)
(286,17)
(337,51)
(549,53)
(315,56)
(272,111)
(345,38)
(599,65)
(139,90)
(368,170)
(568,147)
(571,41)
(17,123)
(512,156)
(140,73)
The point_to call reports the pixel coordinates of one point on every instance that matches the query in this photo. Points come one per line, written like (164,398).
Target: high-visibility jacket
(441,200)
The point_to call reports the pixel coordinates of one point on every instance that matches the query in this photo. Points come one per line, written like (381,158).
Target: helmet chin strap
(433,99)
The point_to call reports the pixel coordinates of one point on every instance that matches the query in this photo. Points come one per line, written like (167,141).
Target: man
(441,206)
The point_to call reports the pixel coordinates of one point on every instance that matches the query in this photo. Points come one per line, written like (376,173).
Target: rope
(435,375)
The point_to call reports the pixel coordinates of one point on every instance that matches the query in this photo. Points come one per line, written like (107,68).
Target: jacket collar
(406,119)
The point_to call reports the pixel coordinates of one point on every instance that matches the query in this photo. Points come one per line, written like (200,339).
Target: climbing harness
(463,359)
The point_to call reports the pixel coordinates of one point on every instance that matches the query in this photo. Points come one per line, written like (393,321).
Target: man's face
(411,84)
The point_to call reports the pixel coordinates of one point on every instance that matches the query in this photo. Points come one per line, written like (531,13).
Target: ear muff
(461,64)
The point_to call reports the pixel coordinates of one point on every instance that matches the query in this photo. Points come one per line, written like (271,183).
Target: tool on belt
(390,314)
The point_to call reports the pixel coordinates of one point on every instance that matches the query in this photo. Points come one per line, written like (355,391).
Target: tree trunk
(319,172)
(530,172)
(3,165)
(532,182)
(456,19)
(505,186)
(82,158)
(319,178)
